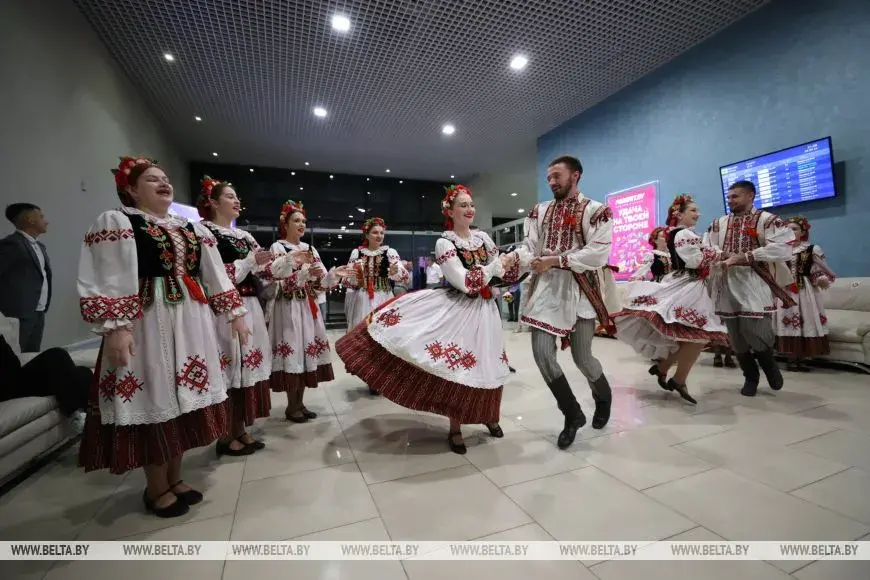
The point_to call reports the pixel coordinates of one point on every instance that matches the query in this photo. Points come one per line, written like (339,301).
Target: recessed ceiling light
(214,154)
(292,173)
(301,188)
(332,177)
(368,178)
(519,62)
(521,210)
(350,216)
(340,23)
(448,129)
(197,118)
(252,169)
(388,170)
(368,193)
(307,164)
(400,181)
(350,224)
(319,112)
(514,194)
(452,176)
(169,57)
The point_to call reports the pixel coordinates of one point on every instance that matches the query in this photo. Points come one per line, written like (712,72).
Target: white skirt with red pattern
(301,355)
(358,305)
(170,398)
(657,316)
(248,368)
(437,351)
(802,330)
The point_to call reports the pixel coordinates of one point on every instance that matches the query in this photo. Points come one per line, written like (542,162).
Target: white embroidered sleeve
(596,252)
(401,276)
(468,281)
(284,267)
(353,280)
(223,297)
(325,282)
(779,241)
(528,249)
(644,267)
(819,270)
(693,253)
(108,279)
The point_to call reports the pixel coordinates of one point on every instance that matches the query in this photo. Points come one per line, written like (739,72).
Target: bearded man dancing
(567,245)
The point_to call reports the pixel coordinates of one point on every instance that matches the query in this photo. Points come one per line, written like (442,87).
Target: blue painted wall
(789,73)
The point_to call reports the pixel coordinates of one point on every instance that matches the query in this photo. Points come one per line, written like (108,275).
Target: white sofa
(30,427)
(847,305)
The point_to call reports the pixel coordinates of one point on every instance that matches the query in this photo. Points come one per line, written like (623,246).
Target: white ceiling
(255,69)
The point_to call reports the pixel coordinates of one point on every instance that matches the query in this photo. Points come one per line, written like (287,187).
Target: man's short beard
(561,193)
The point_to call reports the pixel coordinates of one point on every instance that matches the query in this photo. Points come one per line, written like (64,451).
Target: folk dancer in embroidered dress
(442,350)
(673,320)
(567,245)
(750,282)
(152,284)
(802,330)
(374,268)
(657,263)
(248,367)
(301,354)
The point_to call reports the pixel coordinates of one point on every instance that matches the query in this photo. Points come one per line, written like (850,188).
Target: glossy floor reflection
(793,465)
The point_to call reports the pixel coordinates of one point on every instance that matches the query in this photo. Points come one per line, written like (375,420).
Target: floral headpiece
(207,185)
(655,234)
(679,204)
(372,222)
(803,223)
(450,194)
(122,172)
(290,207)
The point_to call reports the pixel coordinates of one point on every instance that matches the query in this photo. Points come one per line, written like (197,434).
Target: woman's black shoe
(495,430)
(458,448)
(190,497)
(254,444)
(225,449)
(177,508)
(682,390)
(308,413)
(660,376)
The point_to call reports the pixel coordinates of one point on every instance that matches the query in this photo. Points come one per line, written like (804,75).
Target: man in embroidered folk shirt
(749,285)
(566,245)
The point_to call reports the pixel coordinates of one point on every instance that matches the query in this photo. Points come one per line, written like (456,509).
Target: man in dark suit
(25,274)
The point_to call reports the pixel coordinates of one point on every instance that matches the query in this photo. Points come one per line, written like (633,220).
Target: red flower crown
(450,194)
(654,234)
(803,223)
(681,201)
(372,222)
(290,207)
(122,172)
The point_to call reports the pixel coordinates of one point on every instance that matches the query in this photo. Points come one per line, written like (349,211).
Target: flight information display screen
(794,175)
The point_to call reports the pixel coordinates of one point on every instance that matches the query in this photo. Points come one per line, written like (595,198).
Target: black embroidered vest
(232,249)
(474,258)
(376,269)
(659,268)
(156,255)
(801,265)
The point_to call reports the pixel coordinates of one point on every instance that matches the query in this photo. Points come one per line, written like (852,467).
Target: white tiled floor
(791,465)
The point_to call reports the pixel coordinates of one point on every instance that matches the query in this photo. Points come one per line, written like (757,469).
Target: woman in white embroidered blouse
(301,356)
(442,350)
(372,268)
(148,282)
(674,320)
(248,367)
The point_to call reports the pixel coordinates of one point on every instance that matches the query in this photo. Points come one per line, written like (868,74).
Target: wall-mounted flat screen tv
(794,175)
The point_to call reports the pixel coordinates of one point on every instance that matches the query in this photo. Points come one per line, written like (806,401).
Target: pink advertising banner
(634,217)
